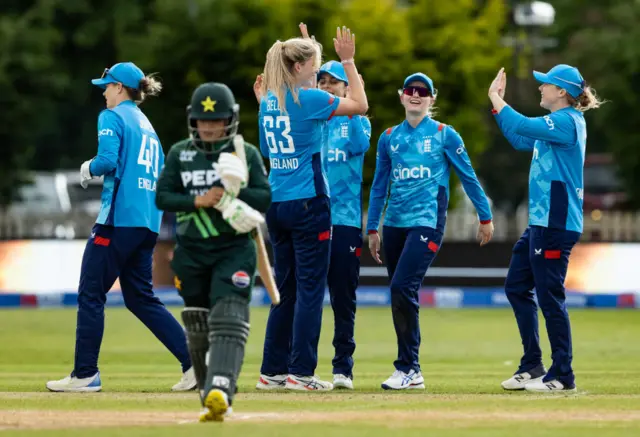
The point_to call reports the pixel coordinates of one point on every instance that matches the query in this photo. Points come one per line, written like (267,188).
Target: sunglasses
(106,72)
(422,91)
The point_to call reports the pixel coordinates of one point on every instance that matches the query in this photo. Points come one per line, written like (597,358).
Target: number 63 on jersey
(276,130)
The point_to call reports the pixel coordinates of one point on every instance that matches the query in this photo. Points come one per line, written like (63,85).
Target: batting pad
(228,333)
(196,324)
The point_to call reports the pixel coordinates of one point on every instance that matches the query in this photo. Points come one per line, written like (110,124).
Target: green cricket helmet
(213,101)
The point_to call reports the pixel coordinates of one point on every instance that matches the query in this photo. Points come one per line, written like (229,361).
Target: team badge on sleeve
(241,279)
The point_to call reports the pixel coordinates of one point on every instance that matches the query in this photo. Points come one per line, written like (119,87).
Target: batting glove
(232,172)
(242,217)
(85,173)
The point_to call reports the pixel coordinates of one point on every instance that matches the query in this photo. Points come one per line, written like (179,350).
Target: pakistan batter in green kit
(218,200)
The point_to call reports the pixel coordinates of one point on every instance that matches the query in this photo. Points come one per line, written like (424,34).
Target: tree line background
(50,49)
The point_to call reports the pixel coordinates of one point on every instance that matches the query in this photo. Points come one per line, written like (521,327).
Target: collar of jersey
(425,122)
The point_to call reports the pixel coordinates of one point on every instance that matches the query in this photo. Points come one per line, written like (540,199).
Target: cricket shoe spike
(216,406)
(404,381)
(342,381)
(520,380)
(307,383)
(273,382)
(553,386)
(71,384)
(187,383)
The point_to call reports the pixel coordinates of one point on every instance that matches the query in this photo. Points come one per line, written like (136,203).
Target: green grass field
(465,355)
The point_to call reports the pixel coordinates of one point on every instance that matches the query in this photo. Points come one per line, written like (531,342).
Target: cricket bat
(264,266)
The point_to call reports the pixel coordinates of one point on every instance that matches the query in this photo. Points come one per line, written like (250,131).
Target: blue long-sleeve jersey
(130,158)
(348,141)
(293,142)
(558,142)
(413,167)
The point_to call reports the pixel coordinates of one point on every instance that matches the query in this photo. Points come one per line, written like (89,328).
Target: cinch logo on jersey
(402,173)
(107,132)
(199,178)
(241,279)
(284,163)
(335,155)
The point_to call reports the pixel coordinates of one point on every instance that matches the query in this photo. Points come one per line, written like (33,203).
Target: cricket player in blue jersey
(348,141)
(541,256)
(292,121)
(414,159)
(121,245)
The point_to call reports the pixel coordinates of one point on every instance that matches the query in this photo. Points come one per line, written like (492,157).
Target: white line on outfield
(443,272)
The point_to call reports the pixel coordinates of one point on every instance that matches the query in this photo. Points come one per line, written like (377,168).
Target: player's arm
(557,127)
(257,194)
(110,133)
(518,142)
(380,186)
(360,135)
(457,155)
(264,147)
(170,195)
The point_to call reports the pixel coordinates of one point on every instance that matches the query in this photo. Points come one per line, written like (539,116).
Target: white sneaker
(342,381)
(216,406)
(78,385)
(271,382)
(307,383)
(519,380)
(404,381)
(188,381)
(548,387)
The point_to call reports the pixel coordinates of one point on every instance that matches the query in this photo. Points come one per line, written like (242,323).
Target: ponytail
(279,67)
(148,86)
(587,100)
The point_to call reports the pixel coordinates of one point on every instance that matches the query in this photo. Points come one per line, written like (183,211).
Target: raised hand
(305,33)
(345,43)
(257,87)
(499,84)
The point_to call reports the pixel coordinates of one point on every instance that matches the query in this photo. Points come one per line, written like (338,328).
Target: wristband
(348,61)
(371,231)
(485,222)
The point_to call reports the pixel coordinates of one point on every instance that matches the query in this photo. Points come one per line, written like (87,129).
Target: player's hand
(345,43)
(85,173)
(485,233)
(374,247)
(210,198)
(257,87)
(348,96)
(232,172)
(305,33)
(242,217)
(499,84)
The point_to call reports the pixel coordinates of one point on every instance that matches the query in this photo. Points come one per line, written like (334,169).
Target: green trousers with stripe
(210,268)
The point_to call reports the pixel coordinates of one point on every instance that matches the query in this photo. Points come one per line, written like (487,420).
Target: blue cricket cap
(335,69)
(127,73)
(421,77)
(564,76)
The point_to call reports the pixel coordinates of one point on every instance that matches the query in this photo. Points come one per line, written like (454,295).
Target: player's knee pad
(230,318)
(196,324)
(228,333)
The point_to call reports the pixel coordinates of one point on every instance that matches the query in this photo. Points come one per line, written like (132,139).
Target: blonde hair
(587,100)
(149,86)
(279,71)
